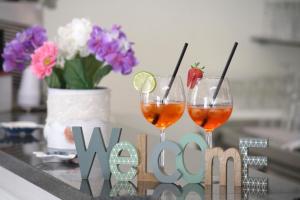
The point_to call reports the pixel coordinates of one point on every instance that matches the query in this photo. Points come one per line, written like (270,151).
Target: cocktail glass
(164,105)
(207,112)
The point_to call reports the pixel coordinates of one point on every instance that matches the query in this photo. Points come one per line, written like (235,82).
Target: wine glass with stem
(207,108)
(163,105)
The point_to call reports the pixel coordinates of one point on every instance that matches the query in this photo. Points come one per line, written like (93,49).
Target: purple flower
(17,53)
(33,38)
(112,47)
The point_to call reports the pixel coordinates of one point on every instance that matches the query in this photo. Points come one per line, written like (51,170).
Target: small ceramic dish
(58,155)
(20,128)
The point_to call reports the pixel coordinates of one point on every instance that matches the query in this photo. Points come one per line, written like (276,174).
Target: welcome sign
(110,159)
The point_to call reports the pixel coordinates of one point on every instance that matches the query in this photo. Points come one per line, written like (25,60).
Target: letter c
(154,162)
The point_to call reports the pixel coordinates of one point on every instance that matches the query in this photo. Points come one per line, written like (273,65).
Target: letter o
(189,177)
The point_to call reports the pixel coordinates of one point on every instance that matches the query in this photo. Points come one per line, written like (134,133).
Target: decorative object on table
(115,160)
(111,160)
(67,108)
(186,175)
(96,146)
(20,128)
(258,161)
(223,158)
(159,173)
(73,67)
(143,175)
(17,56)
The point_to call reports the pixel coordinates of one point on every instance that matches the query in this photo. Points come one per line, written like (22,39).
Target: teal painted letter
(190,178)
(96,147)
(154,162)
(115,160)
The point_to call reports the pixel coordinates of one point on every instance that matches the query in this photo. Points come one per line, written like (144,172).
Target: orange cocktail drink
(168,113)
(209,118)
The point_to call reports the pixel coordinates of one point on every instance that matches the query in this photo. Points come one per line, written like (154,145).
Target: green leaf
(91,65)
(100,73)
(56,79)
(74,75)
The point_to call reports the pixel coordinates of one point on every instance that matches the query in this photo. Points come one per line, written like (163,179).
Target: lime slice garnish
(144,81)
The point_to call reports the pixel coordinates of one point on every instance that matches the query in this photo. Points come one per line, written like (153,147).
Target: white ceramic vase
(67,108)
(29,93)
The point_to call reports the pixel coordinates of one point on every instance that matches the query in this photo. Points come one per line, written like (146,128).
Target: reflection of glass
(207,112)
(163,106)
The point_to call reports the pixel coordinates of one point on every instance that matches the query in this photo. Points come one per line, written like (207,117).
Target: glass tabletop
(55,174)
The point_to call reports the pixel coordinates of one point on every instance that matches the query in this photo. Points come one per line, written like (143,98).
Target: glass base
(208,138)
(162,154)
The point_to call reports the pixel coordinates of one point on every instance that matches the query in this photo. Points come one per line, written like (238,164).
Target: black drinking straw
(221,80)
(156,117)
(175,70)
(224,72)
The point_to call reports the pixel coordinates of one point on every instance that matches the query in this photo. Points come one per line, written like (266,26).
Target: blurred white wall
(160,28)
(26,13)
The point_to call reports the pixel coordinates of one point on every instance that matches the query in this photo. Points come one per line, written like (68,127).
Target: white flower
(125,45)
(72,38)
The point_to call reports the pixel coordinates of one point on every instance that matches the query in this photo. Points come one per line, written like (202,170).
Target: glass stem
(162,154)
(208,138)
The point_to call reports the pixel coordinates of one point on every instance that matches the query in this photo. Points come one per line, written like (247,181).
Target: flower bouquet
(72,66)
(79,58)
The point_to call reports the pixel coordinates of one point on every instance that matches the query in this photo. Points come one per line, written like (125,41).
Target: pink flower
(44,59)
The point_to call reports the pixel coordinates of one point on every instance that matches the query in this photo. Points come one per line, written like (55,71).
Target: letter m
(223,157)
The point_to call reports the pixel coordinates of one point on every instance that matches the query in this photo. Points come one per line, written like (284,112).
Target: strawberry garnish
(194,73)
